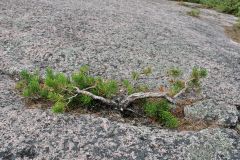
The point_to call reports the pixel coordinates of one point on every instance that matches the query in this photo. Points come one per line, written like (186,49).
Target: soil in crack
(233,32)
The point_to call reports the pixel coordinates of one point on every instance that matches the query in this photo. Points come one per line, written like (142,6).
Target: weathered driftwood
(123,104)
(95,97)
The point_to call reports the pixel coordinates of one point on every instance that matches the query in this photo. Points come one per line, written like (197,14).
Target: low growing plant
(196,76)
(225,6)
(194,12)
(83,90)
(175,72)
(160,110)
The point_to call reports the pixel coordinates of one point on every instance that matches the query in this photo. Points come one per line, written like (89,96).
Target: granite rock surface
(115,38)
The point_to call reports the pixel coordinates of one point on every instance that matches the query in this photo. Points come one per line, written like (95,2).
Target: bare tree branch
(141,95)
(131,98)
(183,90)
(104,100)
(125,102)
(91,87)
(135,112)
(70,98)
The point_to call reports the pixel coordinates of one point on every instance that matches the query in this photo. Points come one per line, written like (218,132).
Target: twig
(91,87)
(128,109)
(70,98)
(126,101)
(183,90)
(104,100)
(122,105)
(141,95)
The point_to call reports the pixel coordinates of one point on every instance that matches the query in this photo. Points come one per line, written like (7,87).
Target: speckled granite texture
(114,37)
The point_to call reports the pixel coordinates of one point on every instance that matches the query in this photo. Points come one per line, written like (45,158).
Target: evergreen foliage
(196,75)
(58,107)
(160,110)
(60,90)
(226,6)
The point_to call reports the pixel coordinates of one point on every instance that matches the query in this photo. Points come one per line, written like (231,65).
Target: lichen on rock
(219,112)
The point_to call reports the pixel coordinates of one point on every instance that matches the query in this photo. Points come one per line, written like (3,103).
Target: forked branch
(141,95)
(95,97)
(122,105)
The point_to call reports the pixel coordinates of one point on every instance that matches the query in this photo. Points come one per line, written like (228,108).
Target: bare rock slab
(210,110)
(115,38)
(38,134)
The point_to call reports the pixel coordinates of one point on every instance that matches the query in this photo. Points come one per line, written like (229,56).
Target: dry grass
(234,32)
(197,125)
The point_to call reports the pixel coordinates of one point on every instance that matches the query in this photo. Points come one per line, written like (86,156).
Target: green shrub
(55,97)
(133,89)
(176,87)
(174,72)
(176,84)
(44,92)
(169,119)
(58,107)
(129,87)
(86,100)
(196,75)
(25,75)
(147,71)
(82,79)
(56,81)
(60,90)
(107,88)
(161,112)
(194,12)
(226,6)
(135,75)
(30,84)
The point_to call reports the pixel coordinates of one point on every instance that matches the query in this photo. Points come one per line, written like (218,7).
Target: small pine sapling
(176,84)
(194,13)
(106,88)
(196,75)
(129,87)
(30,84)
(58,107)
(135,76)
(83,90)
(82,79)
(174,72)
(147,71)
(161,112)
(56,81)
(176,87)
(86,100)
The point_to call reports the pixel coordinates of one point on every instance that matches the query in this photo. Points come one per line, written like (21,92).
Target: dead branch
(135,112)
(183,90)
(122,105)
(70,98)
(129,99)
(91,87)
(141,95)
(95,97)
